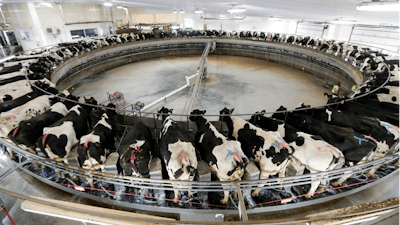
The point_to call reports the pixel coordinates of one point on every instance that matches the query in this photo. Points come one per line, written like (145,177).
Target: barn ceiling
(314,10)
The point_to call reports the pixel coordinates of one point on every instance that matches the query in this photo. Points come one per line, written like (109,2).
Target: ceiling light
(198,11)
(1,4)
(344,21)
(236,10)
(119,7)
(379,6)
(174,11)
(239,17)
(182,11)
(107,4)
(221,16)
(124,7)
(44,4)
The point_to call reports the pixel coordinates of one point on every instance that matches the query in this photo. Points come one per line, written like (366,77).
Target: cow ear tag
(258,118)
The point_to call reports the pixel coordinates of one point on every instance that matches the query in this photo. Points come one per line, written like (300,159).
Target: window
(78,34)
(24,36)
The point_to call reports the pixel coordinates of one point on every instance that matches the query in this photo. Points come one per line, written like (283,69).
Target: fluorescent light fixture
(198,11)
(43,3)
(107,4)
(236,10)
(1,4)
(175,27)
(221,15)
(344,21)
(174,11)
(119,7)
(379,6)
(182,11)
(239,17)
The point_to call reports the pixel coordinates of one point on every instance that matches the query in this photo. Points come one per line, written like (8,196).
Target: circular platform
(243,83)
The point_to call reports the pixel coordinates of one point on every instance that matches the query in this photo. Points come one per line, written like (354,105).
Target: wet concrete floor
(246,84)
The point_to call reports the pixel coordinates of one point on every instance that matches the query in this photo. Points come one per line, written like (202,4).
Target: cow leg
(396,163)
(263,175)
(341,180)
(372,171)
(176,196)
(314,185)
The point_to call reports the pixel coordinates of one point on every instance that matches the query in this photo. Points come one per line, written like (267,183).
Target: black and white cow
(356,147)
(177,151)
(18,78)
(225,157)
(262,36)
(310,151)
(19,88)
(268,149)
(298,40)
(94,147)
(58,139)
(28,131)
(12,69)
(10,119)
(22,72)
(363,110)
(136,151)
(389,107)
(11,104)
(275,37)
(282,38)
(290,39)
(364,125)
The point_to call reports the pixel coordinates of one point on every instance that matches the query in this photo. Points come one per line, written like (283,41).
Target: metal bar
(242,207)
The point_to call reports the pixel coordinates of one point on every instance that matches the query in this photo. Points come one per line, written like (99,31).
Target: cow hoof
(336,183)
(175,200)
(309,195)
(255,193)
(224,201)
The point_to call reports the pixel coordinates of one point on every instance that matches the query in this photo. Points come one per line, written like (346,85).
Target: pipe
(170,94)
(104,21)
(62,13)
(3,16)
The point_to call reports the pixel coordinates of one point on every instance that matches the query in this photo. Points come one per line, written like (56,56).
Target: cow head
(256,117)
(224,113)
(90,104)
(195,113)
(91,155)
(280,113)
(136,159)
(332,98)
(164,113)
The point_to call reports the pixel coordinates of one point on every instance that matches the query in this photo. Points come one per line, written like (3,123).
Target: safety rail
(25,158)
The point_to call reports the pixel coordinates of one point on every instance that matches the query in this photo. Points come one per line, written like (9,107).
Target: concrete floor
(246,84)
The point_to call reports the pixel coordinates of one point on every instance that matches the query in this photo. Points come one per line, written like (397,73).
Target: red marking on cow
(183,155)
(370,138)
(85,145)
(133,156)
(235,153)
(15,132)
(285,146)
(44,138)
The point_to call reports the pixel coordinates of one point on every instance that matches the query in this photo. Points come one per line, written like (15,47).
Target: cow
(28,131)
(177,151)
(310,151)
(11,104)
(364,125)
(275,37)
(225,157)
(95,146)
(269,37)
(58,139)
(282,38)
(136,151)
(362,110)
(356,147)
(12,69)
(290,39)
(298,40)
(262,36)
(305,41)
(18,78)
(10,119)
(19,88)
(388,107)
(268,149)
(21,72)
